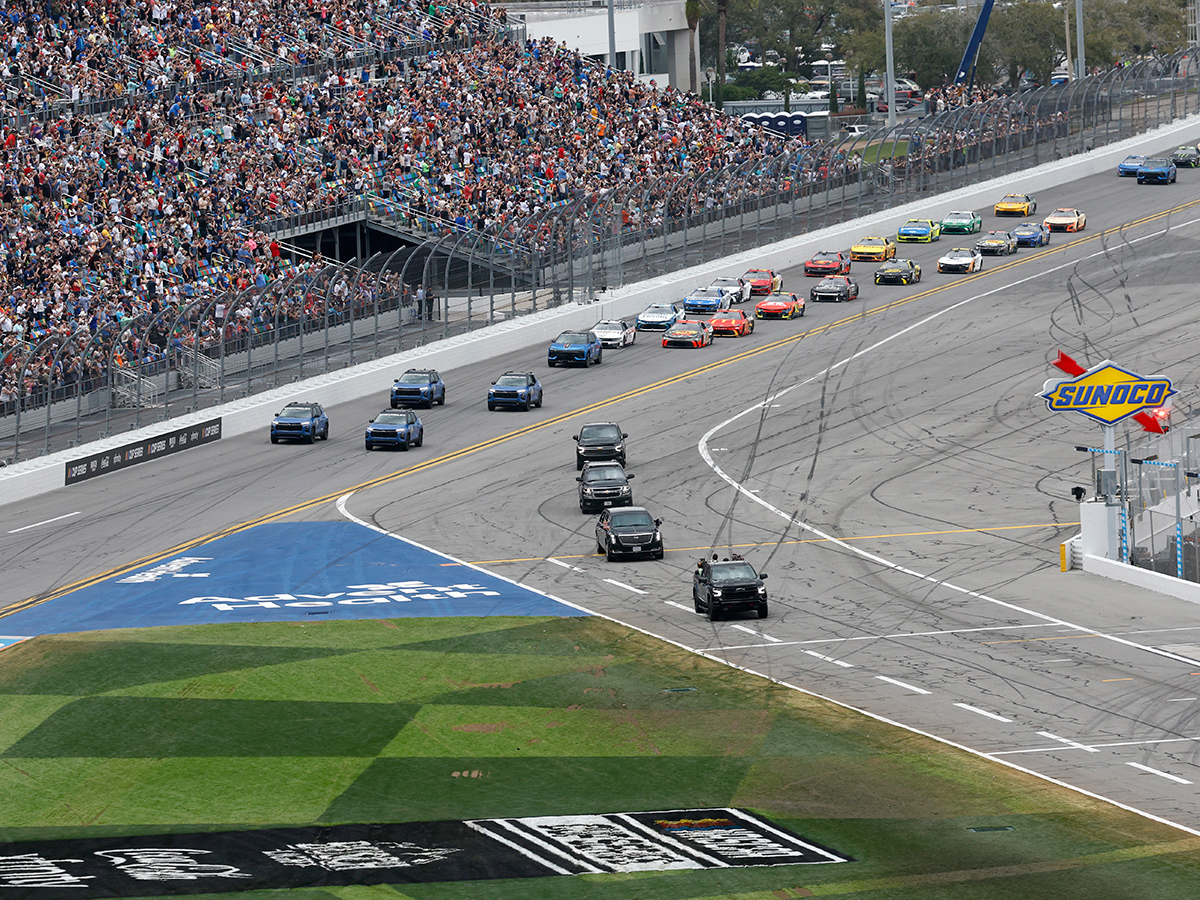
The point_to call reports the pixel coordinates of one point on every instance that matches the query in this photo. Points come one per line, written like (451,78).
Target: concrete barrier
(48,473)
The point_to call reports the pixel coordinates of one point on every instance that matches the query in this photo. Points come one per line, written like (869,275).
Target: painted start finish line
(288,572)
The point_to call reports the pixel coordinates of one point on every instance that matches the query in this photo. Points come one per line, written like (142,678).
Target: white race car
(736,287)
(615,332)
(961,259)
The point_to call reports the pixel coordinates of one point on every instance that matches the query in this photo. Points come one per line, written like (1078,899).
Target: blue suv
(515,389)
(419,387)
(300,422)
(579,348)
(395,428)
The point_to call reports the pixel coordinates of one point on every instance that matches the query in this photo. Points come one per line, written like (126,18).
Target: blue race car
(706,301)
(575,348)
(519,390)
(395,428)
(1156,170)
(658,317)
(1031,234)
(919,230)
(1128,167)
(300,422)
(419,387)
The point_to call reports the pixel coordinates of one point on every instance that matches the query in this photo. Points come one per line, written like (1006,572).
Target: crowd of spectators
(956,96)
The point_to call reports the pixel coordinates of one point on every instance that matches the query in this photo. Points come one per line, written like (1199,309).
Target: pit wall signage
(1106,393)
(402,853)
(143,451)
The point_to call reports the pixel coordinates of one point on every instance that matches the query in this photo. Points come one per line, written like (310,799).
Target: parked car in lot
(575,348)
(396,428)
(515,390)
(604,484)
(615,332)
(300,422)
(599,441)
(631,531)
(419,387)
(721,587)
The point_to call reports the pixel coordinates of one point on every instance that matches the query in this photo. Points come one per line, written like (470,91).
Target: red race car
(733,322)
(828,262)
(763,281)
(780,306)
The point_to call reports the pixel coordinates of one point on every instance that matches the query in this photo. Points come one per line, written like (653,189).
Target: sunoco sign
(1106,393)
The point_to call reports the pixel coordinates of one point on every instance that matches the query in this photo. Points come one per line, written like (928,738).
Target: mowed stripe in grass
(223,727)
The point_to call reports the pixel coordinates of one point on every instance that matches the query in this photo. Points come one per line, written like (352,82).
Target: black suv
(628,532)
(728,586)
(599,440)
(604,484)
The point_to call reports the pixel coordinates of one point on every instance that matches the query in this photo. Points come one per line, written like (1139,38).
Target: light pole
(710,75)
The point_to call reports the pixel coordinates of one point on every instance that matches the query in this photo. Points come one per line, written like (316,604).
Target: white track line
(982,712)
(559,562)
(47,522)
(759,634)
(1175,778)
(1070,743)
(627,587)
(679,606)
(907,687)
(829,659)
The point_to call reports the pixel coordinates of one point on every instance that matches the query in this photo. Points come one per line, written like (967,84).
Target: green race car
(962,222)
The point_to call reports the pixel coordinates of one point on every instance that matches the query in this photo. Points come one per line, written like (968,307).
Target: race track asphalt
(885,460)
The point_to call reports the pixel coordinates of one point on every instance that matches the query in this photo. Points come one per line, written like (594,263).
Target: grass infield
(224,727)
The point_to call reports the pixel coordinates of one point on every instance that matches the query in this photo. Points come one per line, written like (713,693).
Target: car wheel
(714,612)
(539,403)
(599,547)
(696,602)
(404,446)
(658,554)
(525,405)
(442,399)
(550,363)
(750,328)
(274,440)
(491,406)
(420,438)
(600,357)
(310,438)
(633,339)
(802,312)
(762,611)
(609,555)
(587,360)
(325,432)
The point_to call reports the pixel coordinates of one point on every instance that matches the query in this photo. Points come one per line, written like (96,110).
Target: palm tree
(722,10)
(691,9)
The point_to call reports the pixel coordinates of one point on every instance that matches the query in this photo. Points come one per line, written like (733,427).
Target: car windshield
(1013,198)
(961,215)
(609,326)
(994,235)
(416,378)
(871,240)
(918,222)
(684,329)
(957,254)
(725,282)
(296,412)
(513,380)
(572,337)
(826,254)
(599,433)
(660,308)
(603,473)
(1155,162)
(830,283)
(391,418)
(1135,158)
(1064,212)
(632,519)
(707,292)
(758,273)
(733,572)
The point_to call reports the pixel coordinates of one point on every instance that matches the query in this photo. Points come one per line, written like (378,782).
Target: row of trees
(1029,36)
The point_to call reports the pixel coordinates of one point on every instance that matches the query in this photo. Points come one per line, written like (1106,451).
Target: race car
(1128,167)
(873,249)
(1065,219)
(836,288)
(705,301)
(615,332)
(733,322)
(688,333)
(658,317)
(763,281)
(1031,234)
(922,230)
(960,259)
(827,262)
(1186,156)
(962,222)
(1016,205)
(1156,170)
(736,288)
(997,243)
(779,306)
(898,271)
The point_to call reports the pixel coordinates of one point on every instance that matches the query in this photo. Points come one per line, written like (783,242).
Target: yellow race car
(1016,205)
(873,249)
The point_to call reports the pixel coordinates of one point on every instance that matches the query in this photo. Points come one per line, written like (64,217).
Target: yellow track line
(636,392)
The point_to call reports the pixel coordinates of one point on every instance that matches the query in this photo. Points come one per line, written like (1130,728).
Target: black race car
(1185,157)
(836,288)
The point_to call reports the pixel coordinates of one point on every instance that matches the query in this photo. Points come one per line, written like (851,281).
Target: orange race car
(733,322)
(780,306)
(763,281)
